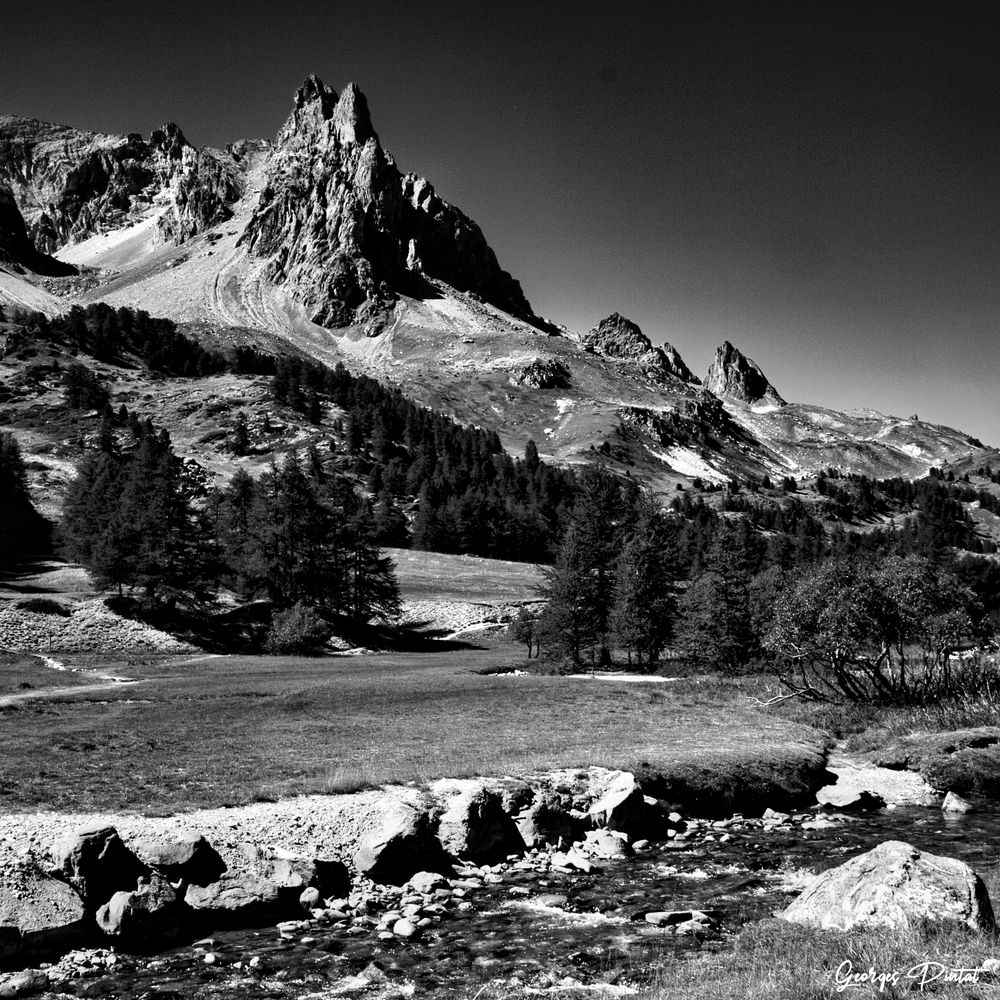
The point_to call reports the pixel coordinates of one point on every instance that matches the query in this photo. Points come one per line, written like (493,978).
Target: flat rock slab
(38,913)
(899,787)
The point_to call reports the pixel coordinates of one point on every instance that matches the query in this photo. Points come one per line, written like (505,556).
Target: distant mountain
(317,243)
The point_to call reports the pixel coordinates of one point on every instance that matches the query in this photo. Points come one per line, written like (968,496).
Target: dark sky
(816,182)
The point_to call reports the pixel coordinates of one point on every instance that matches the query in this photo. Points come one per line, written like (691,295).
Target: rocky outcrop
(893,885)
(70,184)
(186,857)
(621,340)
(97,864)
(402,844)
(542,373)
(149,915)
(346,231)
(735,376)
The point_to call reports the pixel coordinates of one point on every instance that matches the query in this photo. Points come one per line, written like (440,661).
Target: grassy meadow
(204,731)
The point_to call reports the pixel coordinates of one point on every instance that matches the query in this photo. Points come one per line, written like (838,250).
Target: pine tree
(716,625)
(240,442)
(373,586)
(646,575)
(567,626)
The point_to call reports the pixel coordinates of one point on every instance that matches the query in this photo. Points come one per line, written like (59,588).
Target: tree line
(633,581)
(296,536)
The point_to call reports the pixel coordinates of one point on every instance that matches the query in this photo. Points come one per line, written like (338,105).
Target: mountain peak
(315,91)
(618,337)
(351,117)
(735,375)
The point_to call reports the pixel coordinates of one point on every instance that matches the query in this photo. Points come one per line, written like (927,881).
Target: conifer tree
(646,575)
(568,626)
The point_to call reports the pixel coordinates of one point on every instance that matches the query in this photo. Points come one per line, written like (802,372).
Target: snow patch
(562,405)
(689,463)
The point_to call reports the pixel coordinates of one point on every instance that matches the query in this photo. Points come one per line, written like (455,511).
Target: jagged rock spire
(618,337)
(351,116)
(734,375)
(346,232)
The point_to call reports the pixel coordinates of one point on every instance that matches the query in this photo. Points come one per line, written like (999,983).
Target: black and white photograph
(499,501)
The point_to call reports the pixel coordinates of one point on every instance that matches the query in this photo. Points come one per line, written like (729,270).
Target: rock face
(619,338)
(890,886)
(345,231)
(70,184)
(737,377)
(16,247)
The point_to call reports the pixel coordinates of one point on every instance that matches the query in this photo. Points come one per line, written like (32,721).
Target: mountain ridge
(318,240)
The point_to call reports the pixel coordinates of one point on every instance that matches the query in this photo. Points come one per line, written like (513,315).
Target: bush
(44,606)
(299,631)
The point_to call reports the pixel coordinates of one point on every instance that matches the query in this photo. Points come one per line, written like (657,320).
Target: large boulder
(96,862)
(185,857)
(622,806)
(892,885)
(235,900)
(39,914)
(150,915)
(401,844)
(547,822)
(475,827)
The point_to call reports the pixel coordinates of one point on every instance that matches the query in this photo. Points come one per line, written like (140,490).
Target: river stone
(403,843)
(622,806)
(22,984)
(891,885)
(404,928)
(608,844)
(956,804)
(546,822)
(235,900)
(97,864)
(848,798)
(185,857)
(426,882)
(475,827)
(38,913)
(149,915)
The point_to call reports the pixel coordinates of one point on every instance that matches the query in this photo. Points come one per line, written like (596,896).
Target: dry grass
(433,576)
(212,731)
(776,960)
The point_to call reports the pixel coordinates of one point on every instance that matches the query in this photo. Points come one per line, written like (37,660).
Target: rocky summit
(315,242)
(734,376)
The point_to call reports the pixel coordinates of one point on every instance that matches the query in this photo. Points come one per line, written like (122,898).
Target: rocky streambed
(592,887)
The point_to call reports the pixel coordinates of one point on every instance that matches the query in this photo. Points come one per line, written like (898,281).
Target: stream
(541,932)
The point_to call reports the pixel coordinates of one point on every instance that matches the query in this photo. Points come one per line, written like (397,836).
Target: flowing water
(543,929)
